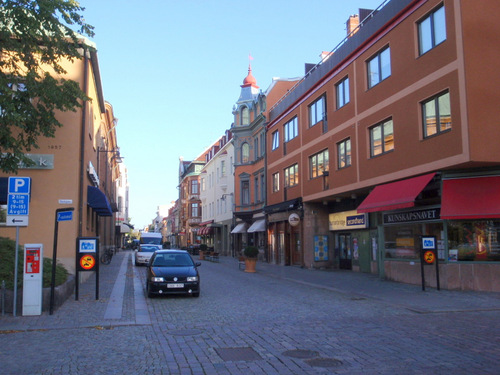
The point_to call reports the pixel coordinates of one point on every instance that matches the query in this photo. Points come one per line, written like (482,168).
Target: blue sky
(172,71)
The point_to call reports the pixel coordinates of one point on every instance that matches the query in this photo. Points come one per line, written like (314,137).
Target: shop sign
(348,220)
(412,216)
(294,219)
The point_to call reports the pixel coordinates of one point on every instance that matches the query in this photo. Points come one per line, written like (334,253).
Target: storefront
(352,243)
(465,222)
(284,230)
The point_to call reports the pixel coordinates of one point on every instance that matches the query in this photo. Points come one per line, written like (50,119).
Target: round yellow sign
(87,262)
(429,257)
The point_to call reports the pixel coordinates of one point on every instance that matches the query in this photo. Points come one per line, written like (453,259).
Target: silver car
(144,253)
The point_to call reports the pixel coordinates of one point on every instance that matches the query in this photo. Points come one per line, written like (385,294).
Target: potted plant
(251,253)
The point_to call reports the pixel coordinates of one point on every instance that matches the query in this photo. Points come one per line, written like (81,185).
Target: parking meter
(33,279)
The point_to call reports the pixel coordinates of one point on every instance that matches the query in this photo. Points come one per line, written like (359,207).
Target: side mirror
(197,264)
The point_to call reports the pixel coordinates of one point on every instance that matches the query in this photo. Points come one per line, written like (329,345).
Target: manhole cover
(238,354)
(299,353)
(323,362)
(185,332)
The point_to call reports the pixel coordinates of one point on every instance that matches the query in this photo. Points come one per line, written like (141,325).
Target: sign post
(18,204)
(428,256)
(62,214)
(87,259)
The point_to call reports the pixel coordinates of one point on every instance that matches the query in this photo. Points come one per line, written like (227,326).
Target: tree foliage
(36,36)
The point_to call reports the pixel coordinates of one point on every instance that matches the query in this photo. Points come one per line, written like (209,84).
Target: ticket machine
(33,279)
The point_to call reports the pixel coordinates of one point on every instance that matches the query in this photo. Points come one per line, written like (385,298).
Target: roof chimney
(352,24)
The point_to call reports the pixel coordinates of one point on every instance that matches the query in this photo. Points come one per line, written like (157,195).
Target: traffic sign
(18,201)
(429,257)
(65,216)
(87,262)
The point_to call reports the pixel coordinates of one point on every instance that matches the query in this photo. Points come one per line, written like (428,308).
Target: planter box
(61,294)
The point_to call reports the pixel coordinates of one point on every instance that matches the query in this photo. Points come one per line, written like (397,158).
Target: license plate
(175,285)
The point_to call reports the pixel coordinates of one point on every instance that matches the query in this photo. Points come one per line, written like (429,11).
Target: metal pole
(16,260)
(54,261)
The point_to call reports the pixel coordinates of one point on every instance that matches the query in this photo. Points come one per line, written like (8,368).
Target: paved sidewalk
(118,304)
(368,286)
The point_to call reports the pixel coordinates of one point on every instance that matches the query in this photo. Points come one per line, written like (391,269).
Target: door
(295,245)
(344,244)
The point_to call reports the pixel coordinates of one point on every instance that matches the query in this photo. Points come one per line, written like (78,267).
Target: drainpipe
(82,142)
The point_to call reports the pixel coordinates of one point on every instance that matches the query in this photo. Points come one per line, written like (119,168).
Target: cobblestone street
(280,320)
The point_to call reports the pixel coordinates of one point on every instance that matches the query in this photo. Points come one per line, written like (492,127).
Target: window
(379,67)
(256,148)
(256,189)
(262,188)
(344,153)
(292,175)
(276,182)
(203,186)
(223,168)
(245,116)
(381,138)
(291,129)
(245,192)
(245,153)
(276,139)
(318,164)
(262,143)
(194,186)
(317,111)
(436,114)
(194,210)
(342,91)
(432,30)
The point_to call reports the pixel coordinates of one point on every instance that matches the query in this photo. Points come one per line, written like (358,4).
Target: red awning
(471,198)
(400,194)
(201,231)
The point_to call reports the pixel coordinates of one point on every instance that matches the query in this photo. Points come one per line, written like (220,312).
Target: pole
(16,260)
(54,261)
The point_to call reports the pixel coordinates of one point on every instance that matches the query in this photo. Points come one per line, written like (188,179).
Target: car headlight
(157,279)
(192,278)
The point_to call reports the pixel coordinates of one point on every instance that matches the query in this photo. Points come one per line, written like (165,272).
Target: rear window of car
(148,249)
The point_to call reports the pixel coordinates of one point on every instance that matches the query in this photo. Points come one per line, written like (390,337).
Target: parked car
(172,272)
(144,253)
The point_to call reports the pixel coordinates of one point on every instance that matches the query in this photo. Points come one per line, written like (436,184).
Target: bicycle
(107,255)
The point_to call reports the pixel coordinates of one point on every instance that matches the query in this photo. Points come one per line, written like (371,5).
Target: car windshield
(148,249)
(172,260)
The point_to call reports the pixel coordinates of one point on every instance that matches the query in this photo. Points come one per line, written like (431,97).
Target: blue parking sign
(19,185)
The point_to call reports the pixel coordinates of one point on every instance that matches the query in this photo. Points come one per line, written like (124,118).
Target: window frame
(431,33)
(276,140)
(437,111)
(381,125)
(276,182)
(291,129)
(314,112)
(344,154)
(342,91)
(317,169)
(291,176)
(380,71)
(245,153)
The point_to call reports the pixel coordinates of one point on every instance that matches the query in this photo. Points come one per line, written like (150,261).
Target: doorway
(345,251)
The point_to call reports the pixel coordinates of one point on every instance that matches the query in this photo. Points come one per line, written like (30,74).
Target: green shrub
(7,259)
(251,251)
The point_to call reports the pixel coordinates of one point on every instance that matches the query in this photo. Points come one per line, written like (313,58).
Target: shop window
(403,241)
(477,240)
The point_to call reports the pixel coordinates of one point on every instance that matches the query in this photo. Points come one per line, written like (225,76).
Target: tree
(35,38)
